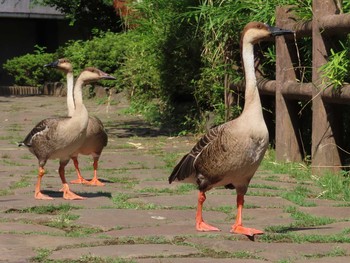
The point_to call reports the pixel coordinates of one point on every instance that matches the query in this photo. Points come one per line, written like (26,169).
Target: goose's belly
(236,163)
(63,151)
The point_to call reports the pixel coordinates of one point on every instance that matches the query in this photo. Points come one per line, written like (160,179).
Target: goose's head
(253,32)
(92,74)
(61,64)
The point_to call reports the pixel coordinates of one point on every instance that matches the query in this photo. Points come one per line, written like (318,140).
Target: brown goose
(96,136)
(58,138)
(229,154)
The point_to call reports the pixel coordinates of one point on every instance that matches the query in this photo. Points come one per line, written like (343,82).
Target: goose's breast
(233,155)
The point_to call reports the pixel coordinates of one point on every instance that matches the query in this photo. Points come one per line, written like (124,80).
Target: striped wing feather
(186,167)
(40,129)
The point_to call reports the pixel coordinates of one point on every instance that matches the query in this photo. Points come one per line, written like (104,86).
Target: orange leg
(94,180)
(200,224)
(67,193)
(238,227)
(38,194)
(80,179)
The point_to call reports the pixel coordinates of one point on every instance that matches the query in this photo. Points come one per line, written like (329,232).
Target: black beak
(107,76)
(276,31)
(52,64)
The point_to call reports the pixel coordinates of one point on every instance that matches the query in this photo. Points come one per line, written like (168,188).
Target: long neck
(70,96)
(252,100)
(78,97)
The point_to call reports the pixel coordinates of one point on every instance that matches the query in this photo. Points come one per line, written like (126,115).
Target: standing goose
(229,154)
(59,138)
(96,136)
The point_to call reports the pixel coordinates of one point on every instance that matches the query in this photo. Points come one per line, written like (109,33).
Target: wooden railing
(327,24)
(51,88)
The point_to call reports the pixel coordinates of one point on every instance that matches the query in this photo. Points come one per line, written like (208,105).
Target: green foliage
(298,196)
(105,52)
(47,209)
(296,170)
(302,220)
(90,15)
(334,186)
(140,71)
(303,9)
(307,220)
(177,59)
(217,26)
(29,70)
(335,71)
(345,6)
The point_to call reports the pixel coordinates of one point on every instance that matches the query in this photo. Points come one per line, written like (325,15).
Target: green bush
(105,52)
(175,59)
(29,70)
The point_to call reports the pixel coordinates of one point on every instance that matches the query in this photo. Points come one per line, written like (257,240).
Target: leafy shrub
(29,70)
(105,51)
(335,71)
(177,56)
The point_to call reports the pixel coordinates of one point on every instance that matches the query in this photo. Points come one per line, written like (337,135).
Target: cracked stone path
(137,216)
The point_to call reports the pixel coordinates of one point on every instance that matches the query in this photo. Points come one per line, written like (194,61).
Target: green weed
(335,71)
(5,156)
(298,171)
(46,209)
(334,186)
(42,255)
(303,220)
(11,163)
(273,178)
(170,160)
(298,196)
(293,237)
(335,252)
(4,192)
(23,182)
(265,186)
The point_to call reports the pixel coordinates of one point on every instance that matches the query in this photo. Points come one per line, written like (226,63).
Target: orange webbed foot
(41,196)
(79,181)
(69,195)
(245,231)
(94,182)
(204,227)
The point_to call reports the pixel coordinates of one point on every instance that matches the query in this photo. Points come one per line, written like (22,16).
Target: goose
(59,138)
(96,136)
(229,154)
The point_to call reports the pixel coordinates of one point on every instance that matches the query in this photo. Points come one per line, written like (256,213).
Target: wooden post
(325,154)
(288,141)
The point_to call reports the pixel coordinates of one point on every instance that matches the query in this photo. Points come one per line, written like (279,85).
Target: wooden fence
(325,28)
(51,88)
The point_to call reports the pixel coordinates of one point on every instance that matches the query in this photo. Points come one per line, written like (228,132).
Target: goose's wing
(42,130)
(96,136)
(186,167)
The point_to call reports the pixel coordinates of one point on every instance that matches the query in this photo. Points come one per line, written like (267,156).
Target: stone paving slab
(28,228)
(215,200)
(333,212)
(199,260)
(169,230)
(271,252)
(25,201)
(112,218)
(326,260)
(125,251)
(20,248)
(156,223)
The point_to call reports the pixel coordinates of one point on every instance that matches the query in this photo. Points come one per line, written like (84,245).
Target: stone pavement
(137,216)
